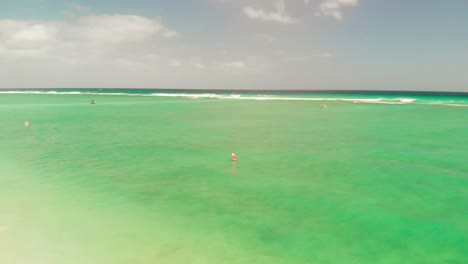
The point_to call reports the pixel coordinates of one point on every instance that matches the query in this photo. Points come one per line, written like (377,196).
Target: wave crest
(384,101)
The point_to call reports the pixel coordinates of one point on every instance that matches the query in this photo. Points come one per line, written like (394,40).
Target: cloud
(197,63)
(112,50)
(175,63)
(24,35)
(81,31)
(297,59)
(171,34)
(265,37)
(87,50)
(116,29)
(323,55)
(234,65)
(79,8)
(75,10)
(334,8)
(278,16)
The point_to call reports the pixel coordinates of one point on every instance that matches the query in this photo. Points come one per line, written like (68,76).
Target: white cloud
(87,50)
(175,63)
(197,63)
(81,31)
(323,55)
(248,66)
(24,35)
(109,51)
(334,8)
(278,16)
(117,28)
(265,37)
(297,59)
(171,34)
(79,8)
(234,65)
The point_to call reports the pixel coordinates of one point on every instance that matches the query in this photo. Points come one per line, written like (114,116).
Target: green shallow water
(149,180)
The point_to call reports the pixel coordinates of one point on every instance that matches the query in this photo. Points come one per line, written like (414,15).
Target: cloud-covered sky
(235,44)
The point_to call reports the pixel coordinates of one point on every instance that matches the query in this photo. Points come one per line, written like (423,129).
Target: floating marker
(26,124)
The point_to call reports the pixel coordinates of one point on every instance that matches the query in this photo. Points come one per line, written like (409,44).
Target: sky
(235,44)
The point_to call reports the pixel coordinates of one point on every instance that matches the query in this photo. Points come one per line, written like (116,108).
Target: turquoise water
(146,177)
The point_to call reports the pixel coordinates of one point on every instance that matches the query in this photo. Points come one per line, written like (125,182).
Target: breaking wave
(382,100)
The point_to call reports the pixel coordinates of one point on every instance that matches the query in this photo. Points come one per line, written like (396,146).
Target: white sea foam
(384,101)
(456,105)
(269,98)
(63,93)
(388,101)
(20,92)
(407,100)
(192,96)
(365,101)
(448,103)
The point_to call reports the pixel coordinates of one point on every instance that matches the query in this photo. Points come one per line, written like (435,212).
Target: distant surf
(354,97)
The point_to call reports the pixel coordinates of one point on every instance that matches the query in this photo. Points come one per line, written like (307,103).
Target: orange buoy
(233,157)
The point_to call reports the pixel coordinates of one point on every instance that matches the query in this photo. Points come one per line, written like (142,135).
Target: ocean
(146,176)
